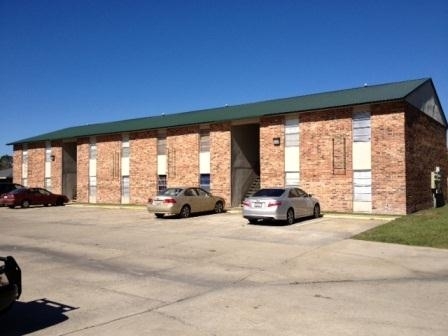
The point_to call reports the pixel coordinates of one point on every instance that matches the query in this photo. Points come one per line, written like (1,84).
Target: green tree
(5,162)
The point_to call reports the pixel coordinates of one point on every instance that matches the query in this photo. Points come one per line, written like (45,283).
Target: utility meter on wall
(436,188)
(436,180)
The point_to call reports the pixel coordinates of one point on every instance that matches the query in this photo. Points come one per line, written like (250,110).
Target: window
(204,181)
(362,185)
(125,147)
(269,192)
(161,183)
(48,183)
(161,146)
(92,186)
(190,192)
(201,192)
(92,151)
(361,126)
(48,151)
(125,187)
(293,193)
(204,140)
(25,157)
(292,132)
(292,179)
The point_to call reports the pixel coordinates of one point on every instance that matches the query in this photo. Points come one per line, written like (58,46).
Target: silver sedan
(285,204)
(184,201)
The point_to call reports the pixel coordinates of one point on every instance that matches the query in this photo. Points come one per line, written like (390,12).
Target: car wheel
(253,221)
(290,216)
(11,206)
(60,202)
(316,211)
(185,211)
(219,207)
(25,204)
(159,215)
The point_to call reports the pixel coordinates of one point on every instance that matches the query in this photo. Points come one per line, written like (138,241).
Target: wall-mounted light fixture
(276,141)
(52,157)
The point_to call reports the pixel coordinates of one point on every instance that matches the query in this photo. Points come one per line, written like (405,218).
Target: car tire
(316,211)
(185,211)
(25,204)
(253,221)
(11,206)
(290,219)
(219,207)
(159,215)
(60,202)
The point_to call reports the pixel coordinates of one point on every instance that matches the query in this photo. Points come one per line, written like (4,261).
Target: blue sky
(73,62)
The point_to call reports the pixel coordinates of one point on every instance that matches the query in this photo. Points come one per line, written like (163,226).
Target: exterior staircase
(254,186)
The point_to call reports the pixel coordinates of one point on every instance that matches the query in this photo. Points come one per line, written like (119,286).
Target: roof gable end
(426,100)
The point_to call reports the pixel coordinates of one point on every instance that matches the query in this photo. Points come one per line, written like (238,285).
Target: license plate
(258,205)
(156,202)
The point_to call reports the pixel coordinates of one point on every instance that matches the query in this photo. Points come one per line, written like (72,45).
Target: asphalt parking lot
(100,271)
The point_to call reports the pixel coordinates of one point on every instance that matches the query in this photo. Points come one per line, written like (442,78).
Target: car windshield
(18,191)
(269,193)
(171,192)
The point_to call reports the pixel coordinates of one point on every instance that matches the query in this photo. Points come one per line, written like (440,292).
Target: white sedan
(285,204)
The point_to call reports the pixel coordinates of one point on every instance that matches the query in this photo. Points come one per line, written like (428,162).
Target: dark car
(6,187)
(10,282)
(25,197)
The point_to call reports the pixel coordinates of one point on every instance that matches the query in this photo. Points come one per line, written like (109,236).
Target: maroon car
(25,197)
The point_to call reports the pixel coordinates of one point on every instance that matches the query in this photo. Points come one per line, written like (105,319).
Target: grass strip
(424,228)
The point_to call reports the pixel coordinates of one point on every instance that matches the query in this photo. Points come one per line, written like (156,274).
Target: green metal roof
(355,96)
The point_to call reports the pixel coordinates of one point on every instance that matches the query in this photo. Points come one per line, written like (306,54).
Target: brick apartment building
(368,149)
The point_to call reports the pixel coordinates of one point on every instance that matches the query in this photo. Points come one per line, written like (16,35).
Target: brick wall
(143,166)
(220,161)
(272,158)
(326,157)
(425,149)
(183,156)
(36,164)
(17,164)
(388,159)
(82,170)
(406,147)
(56,167)
(108,169)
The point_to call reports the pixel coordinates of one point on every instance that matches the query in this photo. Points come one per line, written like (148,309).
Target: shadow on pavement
(27,317)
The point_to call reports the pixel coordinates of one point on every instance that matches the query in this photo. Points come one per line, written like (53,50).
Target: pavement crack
(391,280)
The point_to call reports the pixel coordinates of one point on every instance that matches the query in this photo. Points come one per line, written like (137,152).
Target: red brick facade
(326,158)
(108,173)
(82,171)
(143,166)
(183,156)
(272,157)
(425,149)
(406,145)
(220,160)
(56,167)
(388,159)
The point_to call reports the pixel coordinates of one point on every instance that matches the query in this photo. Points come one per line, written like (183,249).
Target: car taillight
(274,203)
(246,203)
(169,200)
(149,200)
